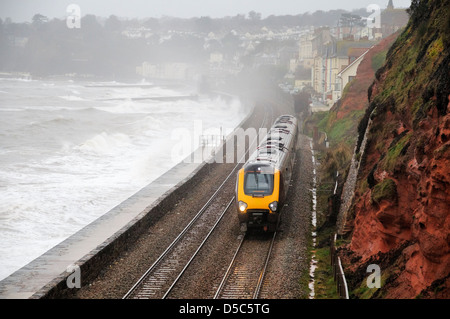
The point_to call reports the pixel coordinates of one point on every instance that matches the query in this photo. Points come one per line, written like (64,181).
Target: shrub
(386,190)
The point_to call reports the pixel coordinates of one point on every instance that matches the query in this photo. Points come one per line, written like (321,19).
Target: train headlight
(242,206)
(273,206)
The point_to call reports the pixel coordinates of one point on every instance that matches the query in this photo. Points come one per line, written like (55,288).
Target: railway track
(162,276)
(245,275)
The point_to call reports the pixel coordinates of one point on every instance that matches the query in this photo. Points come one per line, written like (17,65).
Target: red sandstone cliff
(401,210)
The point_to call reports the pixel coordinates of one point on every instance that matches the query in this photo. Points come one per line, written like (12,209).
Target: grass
(386,190)
(325,286)
(345,129)
(337,158)
(347,87)
(378,60)
(394,152)
(339,131)
(325,120)
(436,48)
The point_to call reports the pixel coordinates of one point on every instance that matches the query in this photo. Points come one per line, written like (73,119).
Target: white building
(305,55)
(347,75)
(216,58)
(165,71)
(325,75)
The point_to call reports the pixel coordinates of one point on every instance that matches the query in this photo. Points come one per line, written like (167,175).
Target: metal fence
(338,272)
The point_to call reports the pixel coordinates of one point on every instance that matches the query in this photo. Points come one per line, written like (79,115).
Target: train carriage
(263,182)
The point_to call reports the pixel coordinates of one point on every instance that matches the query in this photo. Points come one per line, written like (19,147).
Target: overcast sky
(23,10)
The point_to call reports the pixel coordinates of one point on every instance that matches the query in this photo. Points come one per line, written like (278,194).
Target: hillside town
(321,59)
(318,52)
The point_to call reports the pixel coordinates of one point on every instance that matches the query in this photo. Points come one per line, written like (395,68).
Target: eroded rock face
(402,199)
(417,212)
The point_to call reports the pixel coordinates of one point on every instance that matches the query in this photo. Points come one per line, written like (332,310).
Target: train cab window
(258,184)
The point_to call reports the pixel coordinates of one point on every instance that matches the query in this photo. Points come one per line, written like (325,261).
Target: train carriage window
(268,150)
(258,184)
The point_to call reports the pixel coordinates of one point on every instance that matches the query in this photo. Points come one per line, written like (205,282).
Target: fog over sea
(71,151)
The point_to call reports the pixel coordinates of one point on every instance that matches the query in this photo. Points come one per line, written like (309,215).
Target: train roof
(273,148)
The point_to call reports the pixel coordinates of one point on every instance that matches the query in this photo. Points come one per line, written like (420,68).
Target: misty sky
(23,10)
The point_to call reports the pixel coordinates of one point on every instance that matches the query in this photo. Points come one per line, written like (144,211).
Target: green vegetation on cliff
(386,190)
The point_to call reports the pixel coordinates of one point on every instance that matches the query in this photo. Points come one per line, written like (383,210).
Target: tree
(38,20)
(255,16)
(206,25)
(113,24)
(230,44)
(153,24)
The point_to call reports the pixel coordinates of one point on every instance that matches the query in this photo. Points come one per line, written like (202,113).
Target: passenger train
(263,182)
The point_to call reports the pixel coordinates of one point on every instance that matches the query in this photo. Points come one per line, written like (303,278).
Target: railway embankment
(336,161)
(393,212)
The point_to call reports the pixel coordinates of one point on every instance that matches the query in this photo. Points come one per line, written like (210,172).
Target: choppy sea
(71,151)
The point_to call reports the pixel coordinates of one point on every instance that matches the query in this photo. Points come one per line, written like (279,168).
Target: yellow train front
(262,183)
